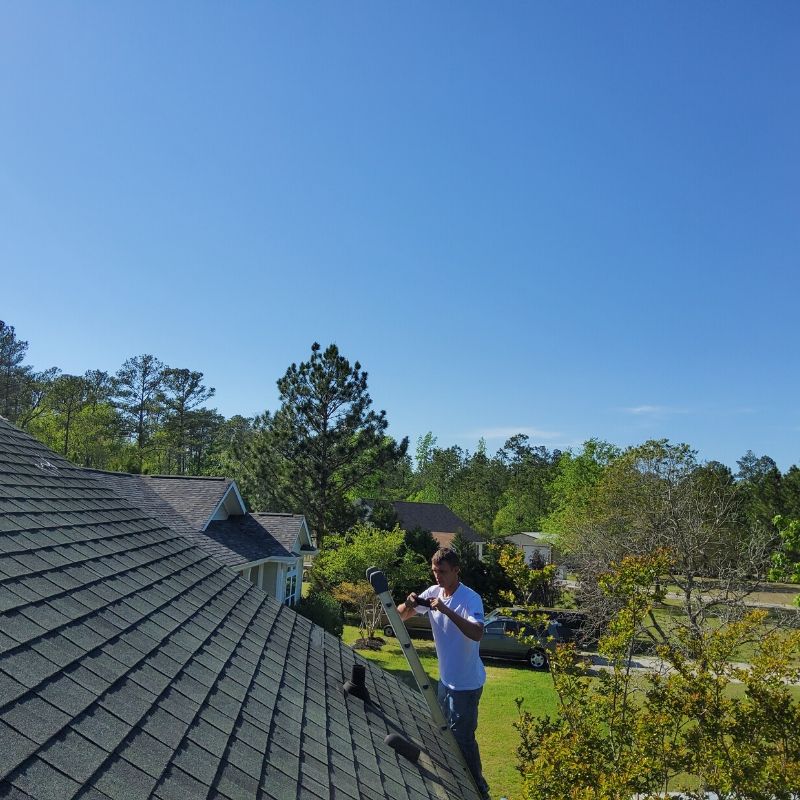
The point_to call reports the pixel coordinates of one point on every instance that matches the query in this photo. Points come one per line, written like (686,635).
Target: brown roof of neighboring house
(433,517)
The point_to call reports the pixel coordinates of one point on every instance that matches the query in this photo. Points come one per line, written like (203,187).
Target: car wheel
(388,630)
(537,659)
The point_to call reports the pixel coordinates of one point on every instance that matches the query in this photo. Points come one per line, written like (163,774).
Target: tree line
(325,447)
(145,417)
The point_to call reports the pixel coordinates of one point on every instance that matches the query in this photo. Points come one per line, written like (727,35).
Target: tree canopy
(323,440)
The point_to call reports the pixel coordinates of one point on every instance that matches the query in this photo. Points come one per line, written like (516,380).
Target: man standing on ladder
(456,616)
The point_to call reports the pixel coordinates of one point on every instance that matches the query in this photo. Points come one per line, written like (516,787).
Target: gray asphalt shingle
(134,665)
(186,504)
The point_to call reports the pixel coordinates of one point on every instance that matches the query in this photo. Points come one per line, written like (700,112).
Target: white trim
(270,560)
(232,488)
(298,541)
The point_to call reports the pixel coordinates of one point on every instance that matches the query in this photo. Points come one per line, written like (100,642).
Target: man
(456,617)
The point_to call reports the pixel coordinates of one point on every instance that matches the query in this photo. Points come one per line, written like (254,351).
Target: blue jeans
(460,709)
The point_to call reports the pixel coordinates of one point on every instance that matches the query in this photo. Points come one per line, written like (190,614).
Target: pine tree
(322,441)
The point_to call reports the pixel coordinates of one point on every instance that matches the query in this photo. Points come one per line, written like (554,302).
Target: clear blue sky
(570,219)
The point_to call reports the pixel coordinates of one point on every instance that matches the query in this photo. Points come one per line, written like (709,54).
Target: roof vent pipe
(403,746)
(357,685)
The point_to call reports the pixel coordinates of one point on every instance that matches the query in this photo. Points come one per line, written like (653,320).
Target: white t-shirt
(460,665)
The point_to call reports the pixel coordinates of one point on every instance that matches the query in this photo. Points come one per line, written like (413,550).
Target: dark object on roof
(434,517)
(357,685)
(406,748)
(133,665)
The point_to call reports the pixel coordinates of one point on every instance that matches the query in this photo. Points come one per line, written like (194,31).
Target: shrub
(324,610)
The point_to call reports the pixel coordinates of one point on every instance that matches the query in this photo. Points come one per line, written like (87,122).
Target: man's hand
(472,630)
(407,610)
(438,605)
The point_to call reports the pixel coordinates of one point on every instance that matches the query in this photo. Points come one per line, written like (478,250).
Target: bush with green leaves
(345,559)
(323,610)
(700,723)
(785,564)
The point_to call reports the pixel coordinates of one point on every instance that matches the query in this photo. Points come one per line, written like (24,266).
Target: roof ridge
(274,514)
(146,475)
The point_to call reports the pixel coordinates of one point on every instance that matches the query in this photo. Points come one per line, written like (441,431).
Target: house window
(291,586)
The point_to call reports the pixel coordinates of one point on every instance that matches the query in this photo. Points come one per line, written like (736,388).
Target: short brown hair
(446,555)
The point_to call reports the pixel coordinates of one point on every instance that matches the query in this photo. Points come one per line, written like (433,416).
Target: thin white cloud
(654,411)
(491,434)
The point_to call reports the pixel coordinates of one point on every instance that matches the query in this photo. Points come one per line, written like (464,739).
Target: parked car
(565,624)
(418,625)
(497,641)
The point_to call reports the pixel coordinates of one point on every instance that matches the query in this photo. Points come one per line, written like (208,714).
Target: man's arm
(472,630)
(407,609)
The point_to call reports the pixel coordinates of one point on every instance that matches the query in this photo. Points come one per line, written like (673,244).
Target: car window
(494,627)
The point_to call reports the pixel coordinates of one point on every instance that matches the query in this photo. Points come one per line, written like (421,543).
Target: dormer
(230,505)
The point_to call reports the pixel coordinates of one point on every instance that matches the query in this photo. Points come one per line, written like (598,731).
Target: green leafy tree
(323,609)
(790,489)
(67,398)
(22,390)
(12,370)
(478,488)
(534,583)
(323,440)
(98,437)
(622,735)
(346,560)
(761,484)
(526,501)
(391,481)
(437,471)
(785,562)
(572,489)
(228,448)
(474,572)
(421,542)
(497,585)
(202,428)
(360,597)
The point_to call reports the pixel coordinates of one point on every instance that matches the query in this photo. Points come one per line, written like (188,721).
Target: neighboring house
(439,520)
(532,543)
(135,665)
(267,549)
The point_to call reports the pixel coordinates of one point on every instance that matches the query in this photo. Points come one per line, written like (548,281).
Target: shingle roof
(256,536)
(434,517)
(528,539)
(133,665)
(186,504)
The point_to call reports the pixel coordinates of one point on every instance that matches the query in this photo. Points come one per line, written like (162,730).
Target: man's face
(445,575)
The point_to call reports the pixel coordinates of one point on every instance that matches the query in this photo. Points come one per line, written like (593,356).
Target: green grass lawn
(504,682)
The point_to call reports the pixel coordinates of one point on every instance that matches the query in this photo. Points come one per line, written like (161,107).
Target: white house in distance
(265,548)
(530,543)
